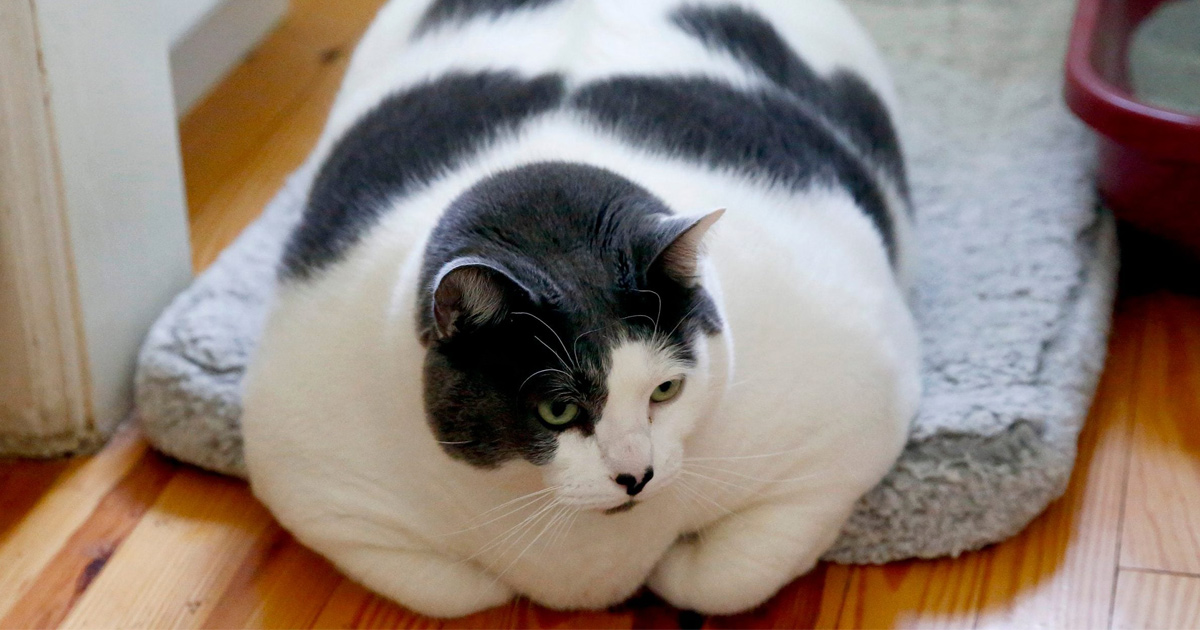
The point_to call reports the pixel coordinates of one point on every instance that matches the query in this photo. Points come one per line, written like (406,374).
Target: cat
(591,295)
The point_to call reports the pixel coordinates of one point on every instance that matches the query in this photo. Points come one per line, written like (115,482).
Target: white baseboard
(210,37)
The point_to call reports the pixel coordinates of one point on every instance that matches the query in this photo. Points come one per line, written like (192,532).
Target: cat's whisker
(509,531)
(682,320)
(556,355)
(530,377)
(523,506)
(674,493)
(748,477)
(552,331)
(742,457)
(554,512)
(566,532)
(500,574)
(522,528)
(560,514)
(657,316)
(692,495)
(685,498)
(535,493)
(561,531)
(700,497)
(556,528)
(725,483)
(455,443)
(528,500)
(728,512)
(717,504)
(641,315)
(696,508)
(575,345)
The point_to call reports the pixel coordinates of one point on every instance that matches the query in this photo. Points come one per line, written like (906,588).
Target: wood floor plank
(241,197)
(834,591)
(525,614)
(352,606)
(29,545)
(344,606)
(172,568)
(1156,600)
(22,485)
(925,594)
(1060,572)
(281,584)
(813,600)
(1162,528)
(52,594)
(228,197)
(315,39)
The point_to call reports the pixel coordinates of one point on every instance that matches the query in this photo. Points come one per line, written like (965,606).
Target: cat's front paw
(674,579)
(714,579)
(426,582)
(472,595)
(687,578)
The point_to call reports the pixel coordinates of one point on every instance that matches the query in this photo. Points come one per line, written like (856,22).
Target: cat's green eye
(557,412)
(667,390)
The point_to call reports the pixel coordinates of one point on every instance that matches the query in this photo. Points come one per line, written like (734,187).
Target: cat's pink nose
(628,454)
(634,485)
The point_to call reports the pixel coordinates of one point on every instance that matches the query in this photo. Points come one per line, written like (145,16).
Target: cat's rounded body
(790,340)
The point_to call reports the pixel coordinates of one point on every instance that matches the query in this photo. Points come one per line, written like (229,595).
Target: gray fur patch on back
(449,13)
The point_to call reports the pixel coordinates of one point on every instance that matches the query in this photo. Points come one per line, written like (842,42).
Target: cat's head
(567,324)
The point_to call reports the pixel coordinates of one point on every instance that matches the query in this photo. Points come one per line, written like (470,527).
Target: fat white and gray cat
(518,349)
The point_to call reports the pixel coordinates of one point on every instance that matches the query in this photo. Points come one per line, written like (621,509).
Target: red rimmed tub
(1149,157)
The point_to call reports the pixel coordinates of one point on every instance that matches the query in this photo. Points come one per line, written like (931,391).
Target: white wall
(179,16)
(209,37)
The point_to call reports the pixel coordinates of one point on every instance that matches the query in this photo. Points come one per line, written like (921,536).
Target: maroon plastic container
(1149,156)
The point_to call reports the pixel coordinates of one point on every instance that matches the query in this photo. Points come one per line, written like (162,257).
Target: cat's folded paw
(481,595)
(691,577)
(684,580)
(672,579)
(426,583)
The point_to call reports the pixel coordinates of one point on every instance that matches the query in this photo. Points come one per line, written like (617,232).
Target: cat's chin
(624,507)
(614,506)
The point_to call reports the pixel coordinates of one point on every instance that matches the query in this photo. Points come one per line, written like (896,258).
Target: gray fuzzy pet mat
(1015,283)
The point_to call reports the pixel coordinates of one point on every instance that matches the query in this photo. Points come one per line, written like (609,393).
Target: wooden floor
(127,538)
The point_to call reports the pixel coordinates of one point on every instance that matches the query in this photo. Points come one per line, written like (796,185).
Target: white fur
(785,420)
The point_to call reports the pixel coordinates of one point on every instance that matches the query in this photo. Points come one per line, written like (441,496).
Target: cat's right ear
(469,291)
(680,260)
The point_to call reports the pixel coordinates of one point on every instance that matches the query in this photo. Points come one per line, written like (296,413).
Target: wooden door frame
(93,226)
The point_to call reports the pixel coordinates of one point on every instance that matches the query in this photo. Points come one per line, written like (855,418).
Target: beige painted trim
(43,380)
(93,237)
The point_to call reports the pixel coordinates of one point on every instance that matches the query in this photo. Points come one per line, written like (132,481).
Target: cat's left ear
(680,260)
(471,292)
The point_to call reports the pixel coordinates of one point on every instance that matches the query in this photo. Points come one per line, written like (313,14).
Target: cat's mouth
(624,507)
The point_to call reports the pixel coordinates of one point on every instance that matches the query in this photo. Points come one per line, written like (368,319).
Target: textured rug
(1015,284)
